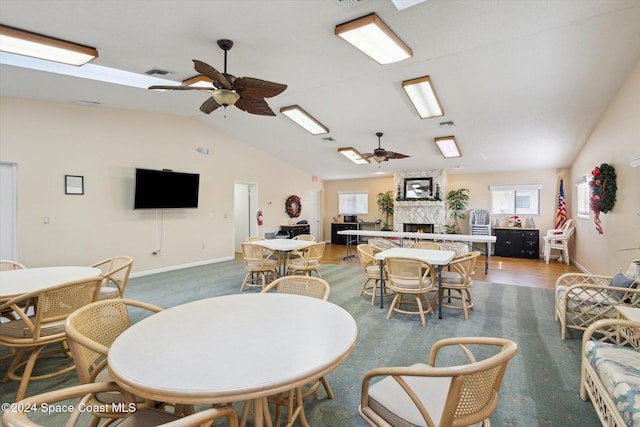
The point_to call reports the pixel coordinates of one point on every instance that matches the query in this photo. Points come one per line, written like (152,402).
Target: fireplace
(417,228)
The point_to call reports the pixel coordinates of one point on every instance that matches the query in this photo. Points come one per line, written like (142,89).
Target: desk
(434,257)
(18,282)
(470,239)
(233,348)
(283,246)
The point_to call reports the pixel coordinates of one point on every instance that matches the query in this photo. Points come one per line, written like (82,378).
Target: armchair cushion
(620,280)
(387,397)
(618,368)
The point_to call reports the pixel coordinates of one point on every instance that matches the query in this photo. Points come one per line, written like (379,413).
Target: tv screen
(163,189)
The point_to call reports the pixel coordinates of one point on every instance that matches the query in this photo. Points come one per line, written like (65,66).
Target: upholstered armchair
(581,299)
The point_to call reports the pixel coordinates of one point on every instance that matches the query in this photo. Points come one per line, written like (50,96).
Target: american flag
(561,216)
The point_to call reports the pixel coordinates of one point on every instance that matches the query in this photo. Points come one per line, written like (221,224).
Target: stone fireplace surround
(419,211)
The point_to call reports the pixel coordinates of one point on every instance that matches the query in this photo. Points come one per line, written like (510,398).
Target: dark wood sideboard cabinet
(517,242)
(340,239)
(294,230)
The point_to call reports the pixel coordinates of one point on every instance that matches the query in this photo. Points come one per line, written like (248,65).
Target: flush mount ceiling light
(34,45)
(304,119)
(353,155)
(423,97)
(371,36)
(448,146)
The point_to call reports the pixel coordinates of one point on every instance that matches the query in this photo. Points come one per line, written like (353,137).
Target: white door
(245,210)
(8,211)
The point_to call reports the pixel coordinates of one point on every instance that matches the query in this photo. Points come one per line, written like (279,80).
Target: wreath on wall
(293,207)
(603,192)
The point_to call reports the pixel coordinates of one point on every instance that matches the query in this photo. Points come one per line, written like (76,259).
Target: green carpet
(540,387)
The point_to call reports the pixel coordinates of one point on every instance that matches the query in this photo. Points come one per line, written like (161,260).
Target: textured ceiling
(525,82)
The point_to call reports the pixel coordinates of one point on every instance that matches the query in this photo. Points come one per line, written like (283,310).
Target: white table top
(429,236)
(232,348)
(283,244)
(432,256)
(17,282)
(629,313)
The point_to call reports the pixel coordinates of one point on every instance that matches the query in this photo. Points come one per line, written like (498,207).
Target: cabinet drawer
(528,234)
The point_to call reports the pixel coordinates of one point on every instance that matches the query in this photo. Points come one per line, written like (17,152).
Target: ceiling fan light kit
(423,97)
(25,43)
(371,36)
(448,146)
(353,155)
(304,120)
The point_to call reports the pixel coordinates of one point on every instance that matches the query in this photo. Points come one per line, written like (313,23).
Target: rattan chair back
(40,317)
(116,271)
(426,245)
(301,285)
(6,264)
(470,398)
(307,237)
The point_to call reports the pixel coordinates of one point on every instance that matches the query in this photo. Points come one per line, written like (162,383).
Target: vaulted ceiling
(525,82)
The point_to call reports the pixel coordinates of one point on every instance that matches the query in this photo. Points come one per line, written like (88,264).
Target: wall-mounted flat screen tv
(165,189)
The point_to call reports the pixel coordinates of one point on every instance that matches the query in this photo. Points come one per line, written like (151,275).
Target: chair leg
(326,386)
(547,253)
(246,279)
(393,305)
(421,311)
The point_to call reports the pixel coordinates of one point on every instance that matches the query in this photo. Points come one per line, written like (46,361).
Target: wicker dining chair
(310,286)
(371,271)
(411,279)
(6,265)
(115,271)
(456,283)
(307,261)
(22,414)
(443,396)
(254,238)
(90,332)
(262,265)
(40,323)
(426,245)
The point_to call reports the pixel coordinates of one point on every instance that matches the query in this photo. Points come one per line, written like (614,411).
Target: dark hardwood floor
(513,271)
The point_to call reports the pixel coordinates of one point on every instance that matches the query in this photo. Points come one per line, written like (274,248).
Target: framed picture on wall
(418,188)
(73,184)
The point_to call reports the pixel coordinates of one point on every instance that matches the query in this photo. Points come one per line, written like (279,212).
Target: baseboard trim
(180,267)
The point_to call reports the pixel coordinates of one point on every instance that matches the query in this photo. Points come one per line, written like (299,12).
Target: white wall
(48,141)
(613,141)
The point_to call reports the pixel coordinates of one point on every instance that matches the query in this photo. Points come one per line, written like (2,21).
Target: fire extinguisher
(259,217)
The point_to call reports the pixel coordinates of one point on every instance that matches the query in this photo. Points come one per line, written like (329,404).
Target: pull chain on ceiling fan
(382,155)
(246,93)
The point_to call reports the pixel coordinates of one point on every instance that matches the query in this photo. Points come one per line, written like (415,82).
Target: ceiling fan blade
(367,155)
(392,155)
(209,105)
(208,71)
(254,106)
(178,88)
(257,88)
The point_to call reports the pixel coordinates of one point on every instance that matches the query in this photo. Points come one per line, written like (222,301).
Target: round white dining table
(22,281)
(233,348)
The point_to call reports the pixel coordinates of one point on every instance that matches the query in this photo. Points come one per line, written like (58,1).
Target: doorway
(8,211)
(245,210)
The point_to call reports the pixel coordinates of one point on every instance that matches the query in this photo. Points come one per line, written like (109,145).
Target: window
(582,197)
(515,200)
(353,203)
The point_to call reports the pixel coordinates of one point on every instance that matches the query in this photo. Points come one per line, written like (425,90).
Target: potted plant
(457,204)
(385,205)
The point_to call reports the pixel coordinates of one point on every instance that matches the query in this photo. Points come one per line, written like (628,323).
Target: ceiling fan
(246,93)
(382,155)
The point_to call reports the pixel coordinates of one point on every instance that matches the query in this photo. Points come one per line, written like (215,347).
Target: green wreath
(603,191)
(293,207)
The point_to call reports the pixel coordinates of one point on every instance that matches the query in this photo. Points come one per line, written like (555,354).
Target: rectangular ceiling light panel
(33,45)
(423,97)
(371,36)
(353,155)
(448,146)
(304,119)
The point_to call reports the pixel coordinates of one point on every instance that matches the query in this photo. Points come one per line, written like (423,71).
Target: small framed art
(73,184)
